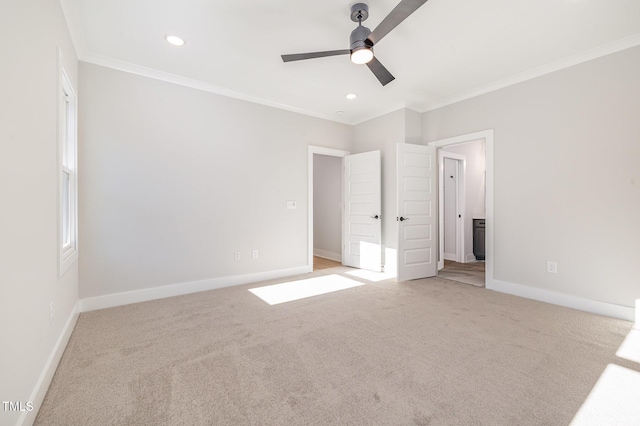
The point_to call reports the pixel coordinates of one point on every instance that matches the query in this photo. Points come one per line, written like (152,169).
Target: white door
(451,204)
(362,232)
(450,208)
(417,247)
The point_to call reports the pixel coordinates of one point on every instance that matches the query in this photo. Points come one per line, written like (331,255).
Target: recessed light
(351,96)
(339,112)
(174,39)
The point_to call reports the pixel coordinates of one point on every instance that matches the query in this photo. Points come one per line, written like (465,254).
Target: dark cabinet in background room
(478,238)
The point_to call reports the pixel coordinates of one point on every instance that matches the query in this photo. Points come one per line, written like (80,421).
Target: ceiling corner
(72,17)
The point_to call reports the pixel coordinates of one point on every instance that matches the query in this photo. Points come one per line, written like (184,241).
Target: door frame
(487,136)
(460,205)
(331,152)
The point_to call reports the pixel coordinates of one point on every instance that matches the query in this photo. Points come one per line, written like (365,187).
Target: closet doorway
(327,211)
(325,179)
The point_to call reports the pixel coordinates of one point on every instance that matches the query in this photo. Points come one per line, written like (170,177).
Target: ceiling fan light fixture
(361,55)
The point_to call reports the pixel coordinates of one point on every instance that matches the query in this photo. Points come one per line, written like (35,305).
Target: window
(68,178)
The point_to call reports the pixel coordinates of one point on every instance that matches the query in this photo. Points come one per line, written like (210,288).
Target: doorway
(461,166)
(325,165)
(359,208)
(477,151)
(327,209)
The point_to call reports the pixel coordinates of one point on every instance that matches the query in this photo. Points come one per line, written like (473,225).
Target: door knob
(402,219)
(375,217)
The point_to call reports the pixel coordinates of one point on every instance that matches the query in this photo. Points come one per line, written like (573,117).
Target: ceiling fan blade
(394,18)
(301,56)
(381,73)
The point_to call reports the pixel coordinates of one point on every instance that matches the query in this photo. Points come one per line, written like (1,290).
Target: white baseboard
(154,293)
(327,254)
(42,385)
(601,308)
(470,258)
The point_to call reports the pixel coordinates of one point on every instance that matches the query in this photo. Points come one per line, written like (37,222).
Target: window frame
(67,166)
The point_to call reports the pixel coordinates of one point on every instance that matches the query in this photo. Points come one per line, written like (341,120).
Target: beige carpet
(425,352)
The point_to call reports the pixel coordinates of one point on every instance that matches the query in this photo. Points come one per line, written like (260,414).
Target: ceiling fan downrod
(359,37)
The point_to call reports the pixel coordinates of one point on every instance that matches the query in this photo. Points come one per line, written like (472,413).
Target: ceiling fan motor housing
(359,38)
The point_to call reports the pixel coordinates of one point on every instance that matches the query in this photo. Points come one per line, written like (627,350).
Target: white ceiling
(448,50)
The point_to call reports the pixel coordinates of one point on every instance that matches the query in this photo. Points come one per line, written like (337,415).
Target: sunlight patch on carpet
(301,289)
(613,400)
(630,348)
(371,275)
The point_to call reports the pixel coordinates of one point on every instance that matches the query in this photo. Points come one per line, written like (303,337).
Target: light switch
(291,205)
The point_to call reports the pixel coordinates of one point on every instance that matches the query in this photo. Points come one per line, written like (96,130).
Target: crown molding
(551,67)
(558,65)
(194,84)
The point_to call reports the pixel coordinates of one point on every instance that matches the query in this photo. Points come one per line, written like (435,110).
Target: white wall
(474,153)
(566,164)
(175,180)
(412,126)
(327,206)
(31,346)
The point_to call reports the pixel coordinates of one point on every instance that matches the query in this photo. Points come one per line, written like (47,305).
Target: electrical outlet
(255,254)
(236,255)
(291,205)
(51,312)
(552,267)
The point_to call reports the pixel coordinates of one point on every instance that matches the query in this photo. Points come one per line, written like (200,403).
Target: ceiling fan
(363,39)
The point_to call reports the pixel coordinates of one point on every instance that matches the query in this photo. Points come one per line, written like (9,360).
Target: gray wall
(327,206)
(567,164)
(175,180)
(33,31)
